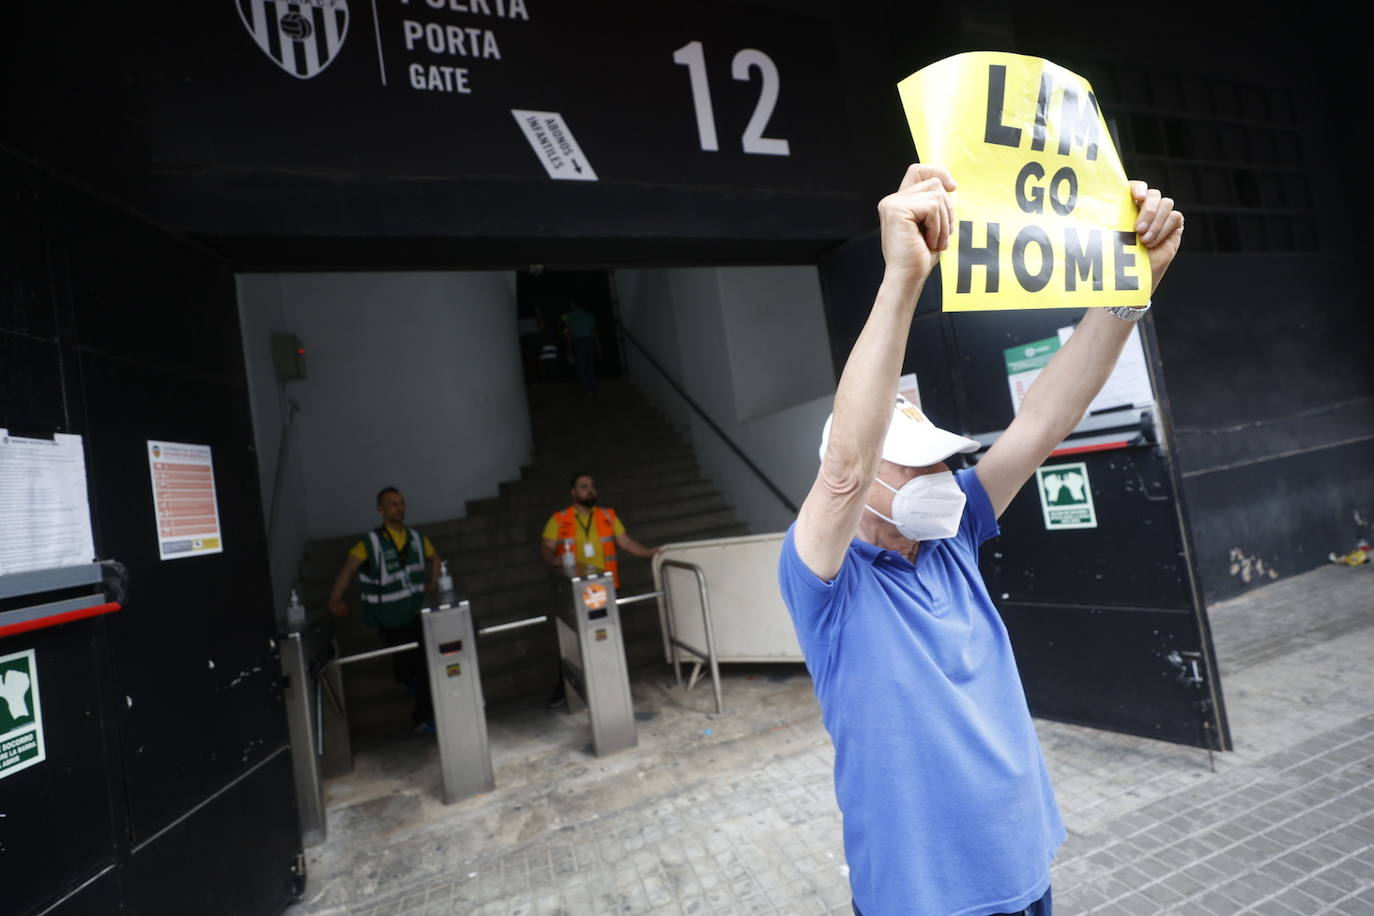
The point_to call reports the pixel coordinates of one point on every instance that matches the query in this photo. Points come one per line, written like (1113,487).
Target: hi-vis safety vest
(605,530)
(391,584)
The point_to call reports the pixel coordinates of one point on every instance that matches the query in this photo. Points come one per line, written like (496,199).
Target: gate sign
(1043,217)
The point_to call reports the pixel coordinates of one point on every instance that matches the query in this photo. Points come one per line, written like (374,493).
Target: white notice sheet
(45,519)
(1129,383)
(184,497)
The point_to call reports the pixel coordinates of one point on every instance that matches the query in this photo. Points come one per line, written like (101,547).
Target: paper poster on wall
(184,498)
(1024,364)
(1066,496)
(45,518)
(1129,383)
(1043,216)
(1127,386)
(21,717)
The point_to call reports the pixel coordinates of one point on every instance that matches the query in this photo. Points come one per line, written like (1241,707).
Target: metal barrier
(590,645)
(313,674)
(709,655)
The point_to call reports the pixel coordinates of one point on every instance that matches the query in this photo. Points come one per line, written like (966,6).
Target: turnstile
(592,653)
(312,673)
(304,657)
(460,718)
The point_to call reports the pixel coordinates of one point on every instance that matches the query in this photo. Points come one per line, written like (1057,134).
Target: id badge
(588,550)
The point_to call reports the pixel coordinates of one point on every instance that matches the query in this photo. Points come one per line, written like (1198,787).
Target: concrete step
(517,534)
(647,487)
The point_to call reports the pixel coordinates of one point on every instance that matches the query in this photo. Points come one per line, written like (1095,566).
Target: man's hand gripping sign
(1045,216)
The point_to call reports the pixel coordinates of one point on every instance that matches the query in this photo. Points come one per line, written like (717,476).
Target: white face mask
(926,508)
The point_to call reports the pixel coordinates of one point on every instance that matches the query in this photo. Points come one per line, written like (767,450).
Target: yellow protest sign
(1043,217)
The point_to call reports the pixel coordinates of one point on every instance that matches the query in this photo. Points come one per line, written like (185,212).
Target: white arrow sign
(552,141)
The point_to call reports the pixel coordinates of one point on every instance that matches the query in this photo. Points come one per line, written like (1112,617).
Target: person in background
(584,346)
(593,536)
(396,567)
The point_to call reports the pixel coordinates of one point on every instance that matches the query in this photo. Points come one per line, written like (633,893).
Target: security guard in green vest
(396,566)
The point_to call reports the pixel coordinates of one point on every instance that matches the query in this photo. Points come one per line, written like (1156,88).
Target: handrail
(710,654)
(773,488)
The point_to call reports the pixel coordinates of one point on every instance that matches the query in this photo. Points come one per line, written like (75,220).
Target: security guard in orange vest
(594,536)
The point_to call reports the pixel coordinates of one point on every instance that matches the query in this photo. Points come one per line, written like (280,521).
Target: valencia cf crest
(302,36)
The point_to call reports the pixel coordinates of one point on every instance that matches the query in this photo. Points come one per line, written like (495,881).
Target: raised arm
(1055,404)
(915,223)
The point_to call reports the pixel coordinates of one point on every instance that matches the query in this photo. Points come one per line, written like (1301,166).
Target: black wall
(185,118)
(1248,121)
(1263,323)
(164,721)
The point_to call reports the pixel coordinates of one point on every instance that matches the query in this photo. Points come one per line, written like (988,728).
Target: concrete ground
(738,815)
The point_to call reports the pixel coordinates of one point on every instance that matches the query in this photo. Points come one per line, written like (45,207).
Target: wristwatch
(1128,313)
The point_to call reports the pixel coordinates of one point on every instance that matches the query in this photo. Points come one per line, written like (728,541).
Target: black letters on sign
(995,131)
(970,257)
(1124,260)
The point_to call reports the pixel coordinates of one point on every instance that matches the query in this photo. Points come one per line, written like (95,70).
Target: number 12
(691,56)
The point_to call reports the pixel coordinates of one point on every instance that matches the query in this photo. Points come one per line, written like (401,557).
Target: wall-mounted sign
(707,94)
(21,717)
(45,518)
(1127,386)
(1066,496)
(1024,363)
(1044,217)
(1129,383)
(183,478)
(552,141)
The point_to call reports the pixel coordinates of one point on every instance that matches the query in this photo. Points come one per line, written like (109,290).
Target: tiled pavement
(737,815)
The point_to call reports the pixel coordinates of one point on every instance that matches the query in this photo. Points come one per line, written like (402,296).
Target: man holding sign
(948,809)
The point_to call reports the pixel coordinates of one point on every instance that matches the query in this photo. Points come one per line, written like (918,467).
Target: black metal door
(1108,622)
(166,783)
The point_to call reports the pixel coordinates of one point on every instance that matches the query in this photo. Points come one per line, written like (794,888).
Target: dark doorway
(543,297)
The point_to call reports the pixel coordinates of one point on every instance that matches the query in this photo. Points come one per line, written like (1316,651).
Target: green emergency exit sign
(1066,496)
(21,718)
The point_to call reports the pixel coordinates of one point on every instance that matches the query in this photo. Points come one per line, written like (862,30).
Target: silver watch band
(1128,313)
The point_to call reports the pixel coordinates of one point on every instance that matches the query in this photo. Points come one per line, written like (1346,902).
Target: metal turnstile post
(592,652)
(460,718)
(304,659)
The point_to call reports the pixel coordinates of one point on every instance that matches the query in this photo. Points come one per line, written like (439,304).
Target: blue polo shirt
(948,809)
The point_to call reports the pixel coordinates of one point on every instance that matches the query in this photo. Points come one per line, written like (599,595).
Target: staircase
(643,469)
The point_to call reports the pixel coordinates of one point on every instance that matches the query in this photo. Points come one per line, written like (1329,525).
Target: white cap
(912,440)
